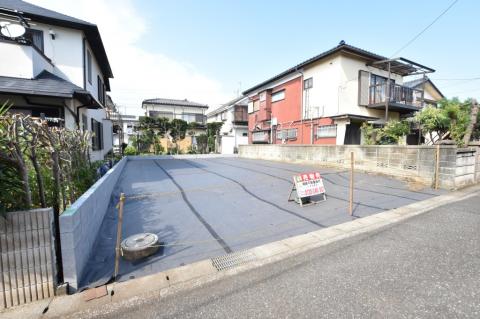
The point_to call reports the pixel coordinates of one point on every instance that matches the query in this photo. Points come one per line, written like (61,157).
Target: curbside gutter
(136,291)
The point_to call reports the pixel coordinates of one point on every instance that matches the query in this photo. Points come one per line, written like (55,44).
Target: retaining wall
(79,224)
(27,257)
(457,166)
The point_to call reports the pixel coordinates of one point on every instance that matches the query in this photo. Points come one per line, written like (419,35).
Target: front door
(352,134)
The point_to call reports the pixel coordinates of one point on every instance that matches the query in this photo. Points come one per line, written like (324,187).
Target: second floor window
(308,83)
(278,96)
(89,67)
(256,105)
(101,90)
(35,38)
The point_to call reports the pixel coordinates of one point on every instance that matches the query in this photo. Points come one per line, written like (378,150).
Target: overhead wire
(425,29)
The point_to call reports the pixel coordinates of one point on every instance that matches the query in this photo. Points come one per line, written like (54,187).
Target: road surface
(425,267)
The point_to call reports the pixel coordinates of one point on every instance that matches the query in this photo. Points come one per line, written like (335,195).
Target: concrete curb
(133,292)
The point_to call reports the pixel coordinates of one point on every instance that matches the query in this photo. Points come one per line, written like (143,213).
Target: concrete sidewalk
(426,267)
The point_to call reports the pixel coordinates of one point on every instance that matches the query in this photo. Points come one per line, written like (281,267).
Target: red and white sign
(309,184)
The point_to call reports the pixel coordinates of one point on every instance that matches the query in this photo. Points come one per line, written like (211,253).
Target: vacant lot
(202,208)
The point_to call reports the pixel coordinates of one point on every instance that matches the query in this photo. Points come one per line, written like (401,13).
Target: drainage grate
(233,259)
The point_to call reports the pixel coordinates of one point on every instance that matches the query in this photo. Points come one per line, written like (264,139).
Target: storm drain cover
(233,259)
(140,246)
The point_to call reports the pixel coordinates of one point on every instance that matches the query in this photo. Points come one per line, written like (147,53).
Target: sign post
(352,168)
(305,186)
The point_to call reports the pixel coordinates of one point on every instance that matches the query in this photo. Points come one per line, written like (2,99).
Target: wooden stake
(352,161)
(437,166)
(119,233)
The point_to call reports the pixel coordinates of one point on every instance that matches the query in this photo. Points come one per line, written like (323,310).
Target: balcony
(22,60)
(401,98)
(240,115)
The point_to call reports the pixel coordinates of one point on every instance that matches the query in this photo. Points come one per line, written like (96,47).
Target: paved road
(426,267)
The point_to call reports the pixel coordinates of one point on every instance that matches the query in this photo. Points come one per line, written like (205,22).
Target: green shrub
(130,150)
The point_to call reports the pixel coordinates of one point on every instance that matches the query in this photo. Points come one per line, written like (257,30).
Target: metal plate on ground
(233,259)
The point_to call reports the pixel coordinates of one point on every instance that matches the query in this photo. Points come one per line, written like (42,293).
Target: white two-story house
(325,99)
(234,131)
(57,69)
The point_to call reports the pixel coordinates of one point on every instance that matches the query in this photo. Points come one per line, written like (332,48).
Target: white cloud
(139,74)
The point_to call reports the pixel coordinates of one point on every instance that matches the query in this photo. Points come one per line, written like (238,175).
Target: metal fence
(27,257)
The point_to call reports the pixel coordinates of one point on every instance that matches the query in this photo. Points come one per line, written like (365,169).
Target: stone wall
(79,224)
(456,166)
(27,257)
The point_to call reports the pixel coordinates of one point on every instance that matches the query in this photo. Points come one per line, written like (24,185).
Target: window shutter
(363,87)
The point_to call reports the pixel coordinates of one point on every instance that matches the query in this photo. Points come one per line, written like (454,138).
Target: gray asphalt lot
(203,208)
(425,267)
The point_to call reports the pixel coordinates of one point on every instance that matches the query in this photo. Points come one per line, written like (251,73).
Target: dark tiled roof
(341,47)
(45,84)
(185,102)
(415,83)
(43,15)
(29,8)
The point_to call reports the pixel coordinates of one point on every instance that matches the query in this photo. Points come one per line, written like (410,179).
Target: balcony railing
(240,115)
(398,94)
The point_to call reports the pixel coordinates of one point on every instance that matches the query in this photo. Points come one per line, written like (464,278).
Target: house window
(308,83)
(101,90)
(97,138)
(244,134)
(292,133)
(259,137)
(84,123)
(278,96)
(327,131)
(282,135)
(89,67)
(250,107)
(256,105)
(35,38)
(167,115)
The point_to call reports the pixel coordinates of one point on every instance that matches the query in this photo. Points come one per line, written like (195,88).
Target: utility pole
(387,97)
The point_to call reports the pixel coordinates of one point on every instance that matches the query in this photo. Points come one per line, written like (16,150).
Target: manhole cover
(140,246)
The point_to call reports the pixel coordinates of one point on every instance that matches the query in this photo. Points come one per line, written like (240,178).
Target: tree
(472,122)
(178,130)
(213,133)
(392,131)
(432,120)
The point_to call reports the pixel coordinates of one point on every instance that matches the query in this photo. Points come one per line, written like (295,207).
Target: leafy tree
(178,131)
(130,150)
(392,131)
(452,118)
(213,133)
(432,120)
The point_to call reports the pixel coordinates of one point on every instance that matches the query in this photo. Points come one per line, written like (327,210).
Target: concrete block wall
(456,166)
(79,224)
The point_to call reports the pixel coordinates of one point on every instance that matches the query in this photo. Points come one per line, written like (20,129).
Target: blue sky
(248,41)
(207,50)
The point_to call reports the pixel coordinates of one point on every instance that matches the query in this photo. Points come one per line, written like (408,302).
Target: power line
(425,29)
(457,79)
